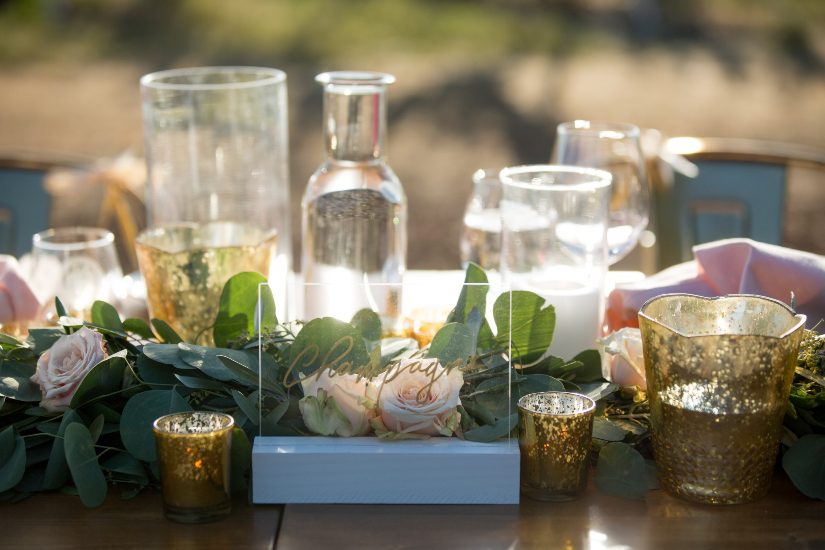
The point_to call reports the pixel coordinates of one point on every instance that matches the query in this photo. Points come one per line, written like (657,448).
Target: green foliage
(622,471)
(106,434)
(82,460)
(238,310)
(804,463)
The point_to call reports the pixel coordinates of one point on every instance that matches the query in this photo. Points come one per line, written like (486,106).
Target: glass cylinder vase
(354,228)
(554,243)
(218,195)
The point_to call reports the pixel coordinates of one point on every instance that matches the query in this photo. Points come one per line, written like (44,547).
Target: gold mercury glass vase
(719,373)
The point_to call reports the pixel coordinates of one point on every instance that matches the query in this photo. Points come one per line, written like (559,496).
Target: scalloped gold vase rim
(800,318)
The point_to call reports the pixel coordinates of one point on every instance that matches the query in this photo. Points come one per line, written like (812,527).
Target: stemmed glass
(615,148)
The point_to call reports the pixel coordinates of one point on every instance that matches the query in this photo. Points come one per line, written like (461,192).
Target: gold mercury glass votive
(719,373)
(555,432)
(194,463)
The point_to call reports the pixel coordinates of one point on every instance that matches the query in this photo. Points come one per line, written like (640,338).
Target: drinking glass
(481,235)
(78,265)
(218,194)
(554,227)
(614,148)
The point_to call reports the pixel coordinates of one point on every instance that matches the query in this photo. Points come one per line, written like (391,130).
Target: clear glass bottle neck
(355,123)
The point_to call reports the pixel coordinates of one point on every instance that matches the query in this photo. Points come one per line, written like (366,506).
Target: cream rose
(346,414)
(419,396)
(62,367)
(622,358)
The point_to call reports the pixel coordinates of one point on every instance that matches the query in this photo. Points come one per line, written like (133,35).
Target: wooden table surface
(785,519)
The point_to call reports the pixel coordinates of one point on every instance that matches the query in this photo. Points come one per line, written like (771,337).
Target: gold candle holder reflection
(555,431)
(719,373)
(194,462)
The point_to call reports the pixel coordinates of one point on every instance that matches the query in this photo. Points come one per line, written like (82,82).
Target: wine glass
(615,148)
(481,233)
(78,265)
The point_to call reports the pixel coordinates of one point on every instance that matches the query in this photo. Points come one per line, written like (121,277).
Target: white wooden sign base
(366,470)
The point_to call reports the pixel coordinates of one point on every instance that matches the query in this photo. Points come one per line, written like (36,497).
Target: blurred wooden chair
(740,190)
(24,203)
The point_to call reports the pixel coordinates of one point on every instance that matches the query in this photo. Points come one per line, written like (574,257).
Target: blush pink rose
(419,396)
(18,302)
(62,367)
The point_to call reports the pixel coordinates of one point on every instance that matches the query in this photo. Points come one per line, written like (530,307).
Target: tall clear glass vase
(354,208)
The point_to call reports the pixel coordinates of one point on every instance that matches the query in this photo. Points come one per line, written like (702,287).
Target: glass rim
(484,174)
(590,404)
(354,78)
(268,76)
(599,179)
(610,130)
(166,433)
(101,238)
(799,318)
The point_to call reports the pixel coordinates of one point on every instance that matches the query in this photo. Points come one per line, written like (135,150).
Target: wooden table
(785,519)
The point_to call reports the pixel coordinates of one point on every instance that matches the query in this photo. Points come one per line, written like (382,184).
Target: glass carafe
(354,229)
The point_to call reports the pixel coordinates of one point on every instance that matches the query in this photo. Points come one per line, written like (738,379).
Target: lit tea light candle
(194,462)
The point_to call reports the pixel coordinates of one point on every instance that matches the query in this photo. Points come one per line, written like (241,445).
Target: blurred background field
(480,83)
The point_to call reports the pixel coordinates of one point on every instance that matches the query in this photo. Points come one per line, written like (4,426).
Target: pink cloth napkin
(18,302)
(731,266)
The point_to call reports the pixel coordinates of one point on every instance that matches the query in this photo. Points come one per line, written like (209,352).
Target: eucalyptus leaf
(199,382)
(269,423)
(82,460)
(606,430)
(12,469)
(238,308)
(473,294)
(103,379)
(453,342)
(139,414)
(622,471)
(106,316)
(241,455)
(247,405)
(527,328)
(205,359)
(128,466)
(155,373)
(96,427)
(7,444)
(327,343)
(598,390)
(165,332)
(57,470)
(59,308)
(489,433)
(167,354)
(368,323)
(591,366)
(15,382)
(10,342)
(42,339)
(804,463)
(139,327)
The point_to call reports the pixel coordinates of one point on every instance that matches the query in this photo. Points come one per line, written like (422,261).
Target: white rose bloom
(349,394)
(415,402)
(623,362)
(63,366)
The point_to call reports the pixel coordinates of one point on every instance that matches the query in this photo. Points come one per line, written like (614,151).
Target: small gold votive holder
(555,432)
(194,463)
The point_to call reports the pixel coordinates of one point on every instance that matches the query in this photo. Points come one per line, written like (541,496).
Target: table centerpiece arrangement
(79,399)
